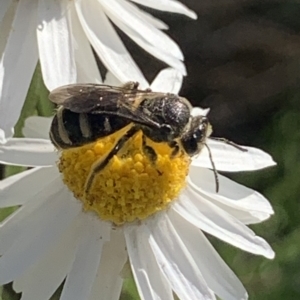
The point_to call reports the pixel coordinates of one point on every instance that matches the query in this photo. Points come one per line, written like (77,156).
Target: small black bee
(88,112)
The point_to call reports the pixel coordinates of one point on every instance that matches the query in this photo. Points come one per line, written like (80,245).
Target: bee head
(195,135)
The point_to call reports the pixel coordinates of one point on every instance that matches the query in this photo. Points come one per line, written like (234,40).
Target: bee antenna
(213,168)
(228,142)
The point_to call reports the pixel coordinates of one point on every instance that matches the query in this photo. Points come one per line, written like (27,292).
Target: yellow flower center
(130,186)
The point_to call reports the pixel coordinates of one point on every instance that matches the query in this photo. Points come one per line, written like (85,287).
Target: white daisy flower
(154,219)
(59,35)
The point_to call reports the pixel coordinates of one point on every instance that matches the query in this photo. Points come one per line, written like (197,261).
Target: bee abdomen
(85,126)
(66,129)
(70,129)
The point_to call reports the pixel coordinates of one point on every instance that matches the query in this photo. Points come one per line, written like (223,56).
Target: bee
(88,112)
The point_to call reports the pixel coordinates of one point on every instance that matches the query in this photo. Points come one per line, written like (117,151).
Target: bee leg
(102,163)
(213,168)
(174,145)
(130,85)
(229,143)
(149,151)
(133,85)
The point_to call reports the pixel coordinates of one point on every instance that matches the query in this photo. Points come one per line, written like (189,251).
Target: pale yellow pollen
(130,187)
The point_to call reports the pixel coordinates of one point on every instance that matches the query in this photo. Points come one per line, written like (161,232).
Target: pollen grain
(130,187)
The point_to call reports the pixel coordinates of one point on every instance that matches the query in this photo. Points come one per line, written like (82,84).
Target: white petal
(55,44)
(216,273)
(229,158)
(17,66)
(44,277)
(197,111)
(168,5)
(150,281)
(43,228)
(20,188)
(147,17)
(243,203)
(87,69)
(111,79)
(213,220)
(152,49)
(80,279)
(10,228)
(175,261)
(122,10)
(4,5)
(168,81)
(7,15)
(107,43)
(108,282)
(37,127)
(28,152)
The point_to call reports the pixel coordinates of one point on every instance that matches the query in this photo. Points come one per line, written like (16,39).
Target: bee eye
(201,130)
(198,134)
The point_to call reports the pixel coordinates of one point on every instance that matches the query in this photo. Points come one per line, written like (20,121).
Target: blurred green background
(243,61)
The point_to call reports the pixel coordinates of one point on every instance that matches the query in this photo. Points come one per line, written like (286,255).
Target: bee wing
(84,98)
(136,116)
(105,99)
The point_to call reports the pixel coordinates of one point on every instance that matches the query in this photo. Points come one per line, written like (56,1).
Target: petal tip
(193,15)
(270,254)
(267,252)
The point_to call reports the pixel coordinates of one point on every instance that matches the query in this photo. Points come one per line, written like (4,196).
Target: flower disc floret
(131,186)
